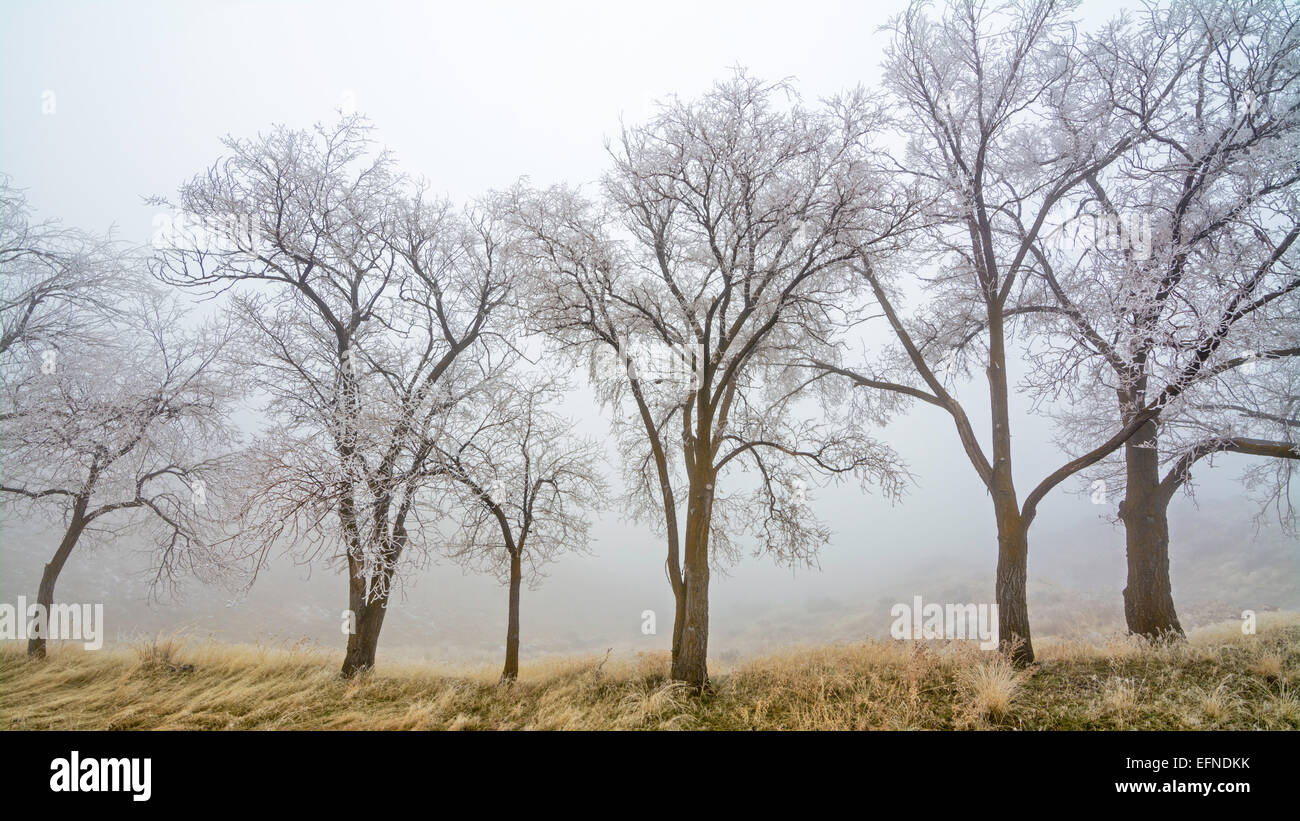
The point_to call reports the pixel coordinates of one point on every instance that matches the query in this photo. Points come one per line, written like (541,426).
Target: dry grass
(1121,696)
(1219,679)
(1269,666)
(993,686)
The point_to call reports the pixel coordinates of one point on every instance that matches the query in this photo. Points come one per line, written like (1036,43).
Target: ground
(1219,679)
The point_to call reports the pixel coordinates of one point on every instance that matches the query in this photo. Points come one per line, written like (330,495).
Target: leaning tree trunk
(670,515)
(691,663)
(363,641)
(45,594)
(1148,597)
(511,670)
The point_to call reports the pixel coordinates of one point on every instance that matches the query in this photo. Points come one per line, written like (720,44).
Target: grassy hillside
(1219,680)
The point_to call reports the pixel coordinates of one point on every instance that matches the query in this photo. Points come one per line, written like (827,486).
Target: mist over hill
(1222,563)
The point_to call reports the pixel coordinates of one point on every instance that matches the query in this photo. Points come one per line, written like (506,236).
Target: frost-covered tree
(1177,267)
(58,285)
(527,485)
(712,256)
(127,432)
(1005,113)
(368,308)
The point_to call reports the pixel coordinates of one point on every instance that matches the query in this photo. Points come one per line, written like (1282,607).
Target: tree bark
(1013,604)
(45,594)
(673,561)
(679,618)
(511,670)
(1013,533)
(1148,597)
(363,642)
(691,663)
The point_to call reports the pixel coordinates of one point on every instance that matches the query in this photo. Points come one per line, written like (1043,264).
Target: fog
(106,104)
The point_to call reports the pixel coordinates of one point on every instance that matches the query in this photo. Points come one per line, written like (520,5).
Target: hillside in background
(1222,564)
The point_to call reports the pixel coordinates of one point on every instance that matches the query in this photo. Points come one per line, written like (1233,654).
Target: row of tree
(1119,206)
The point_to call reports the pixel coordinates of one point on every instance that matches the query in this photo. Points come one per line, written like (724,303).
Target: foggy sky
(472,96)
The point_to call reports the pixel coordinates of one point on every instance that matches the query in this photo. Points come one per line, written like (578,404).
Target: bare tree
(1004,121)
(368,305)
(58,285)
(1257,413)
(714,254)
(128,432)
(527,484)
(1179,259)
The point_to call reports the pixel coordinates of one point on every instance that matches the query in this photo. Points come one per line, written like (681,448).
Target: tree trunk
(511,671)
(364,640)
(1013,533)
(362,644)
(1148,598)
(679,619)
(1013,604)
(691,663)
(670,515)
(45,594)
